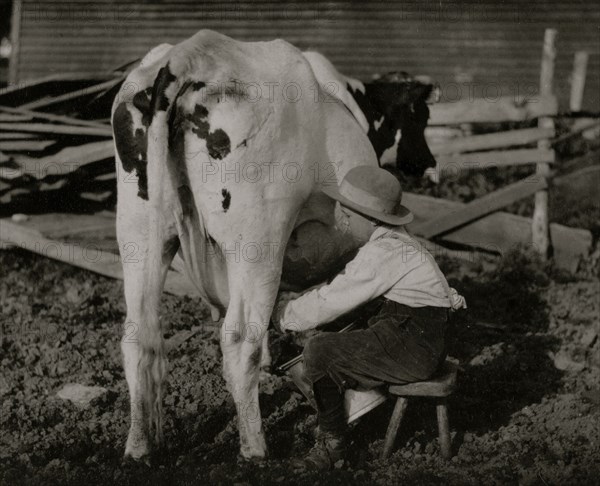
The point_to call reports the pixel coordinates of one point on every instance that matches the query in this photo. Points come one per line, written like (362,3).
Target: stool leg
(444,428)
(392,430)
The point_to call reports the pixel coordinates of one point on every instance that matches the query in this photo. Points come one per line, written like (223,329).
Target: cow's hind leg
(146,260)
(253,288)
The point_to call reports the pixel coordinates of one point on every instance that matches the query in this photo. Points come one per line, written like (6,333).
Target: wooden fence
(473,224)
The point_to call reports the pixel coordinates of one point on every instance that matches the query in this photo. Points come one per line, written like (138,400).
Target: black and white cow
(392,110)
(221,177)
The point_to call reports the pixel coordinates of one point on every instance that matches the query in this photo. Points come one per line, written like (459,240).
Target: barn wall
(471,48)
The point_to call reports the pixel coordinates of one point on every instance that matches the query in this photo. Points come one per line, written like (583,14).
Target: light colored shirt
(391,264)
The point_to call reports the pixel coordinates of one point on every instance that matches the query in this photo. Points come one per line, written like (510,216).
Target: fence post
(540,226)
(15,41)
(578,80)
(580,63)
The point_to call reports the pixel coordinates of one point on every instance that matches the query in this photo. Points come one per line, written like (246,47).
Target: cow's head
(399,115)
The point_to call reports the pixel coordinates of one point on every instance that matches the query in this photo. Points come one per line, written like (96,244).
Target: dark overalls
(401,345)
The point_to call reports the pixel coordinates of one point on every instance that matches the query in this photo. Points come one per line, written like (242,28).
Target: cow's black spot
(255,357)
(236,337)
(141,101)
(199,119)
(226,199)
(198,85)
(217,142)
(160,101)
(131,143)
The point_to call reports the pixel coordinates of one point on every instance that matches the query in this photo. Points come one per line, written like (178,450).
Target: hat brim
(403,215)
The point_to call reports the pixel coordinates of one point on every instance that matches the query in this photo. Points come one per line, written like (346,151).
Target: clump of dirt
(526,411)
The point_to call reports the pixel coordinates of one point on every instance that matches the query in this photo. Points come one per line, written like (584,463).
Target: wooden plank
(480,207)
(480,110)
(490,141)
(89,258)
(438,250)
(17,136)
(67,226)
(96,196)
(66,161)
(60,129)
(48,101)
(93,230)
(438,135)
(25,145)
(52,186)
(8,118)
(500,232)
(499,158)
(49,116)
(15,87)
(106,177)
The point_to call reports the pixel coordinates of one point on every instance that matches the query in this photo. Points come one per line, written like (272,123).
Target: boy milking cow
(406,338)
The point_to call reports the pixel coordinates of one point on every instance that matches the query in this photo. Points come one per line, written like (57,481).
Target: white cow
(230,148)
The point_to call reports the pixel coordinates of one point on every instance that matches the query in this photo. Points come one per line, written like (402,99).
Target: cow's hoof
(138,447)
(130,461)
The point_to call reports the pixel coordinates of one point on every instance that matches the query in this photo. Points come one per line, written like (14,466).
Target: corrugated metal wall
(472,48)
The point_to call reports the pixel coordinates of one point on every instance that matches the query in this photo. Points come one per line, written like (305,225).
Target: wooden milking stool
(439,387)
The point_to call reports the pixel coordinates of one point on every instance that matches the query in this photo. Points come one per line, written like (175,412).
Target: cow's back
(219,135)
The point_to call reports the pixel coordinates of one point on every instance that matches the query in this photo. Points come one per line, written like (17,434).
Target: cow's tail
(152,372)
(162,195)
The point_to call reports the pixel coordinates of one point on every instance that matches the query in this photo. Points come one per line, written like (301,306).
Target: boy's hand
(283,298)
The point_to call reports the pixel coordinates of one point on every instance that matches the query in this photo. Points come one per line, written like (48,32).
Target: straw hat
(372,192)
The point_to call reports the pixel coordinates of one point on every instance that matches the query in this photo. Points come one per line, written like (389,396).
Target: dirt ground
(526,411)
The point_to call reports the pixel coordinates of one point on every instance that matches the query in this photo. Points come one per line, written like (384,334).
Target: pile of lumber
(56,142)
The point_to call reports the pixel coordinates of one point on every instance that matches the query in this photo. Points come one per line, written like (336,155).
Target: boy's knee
(317,352)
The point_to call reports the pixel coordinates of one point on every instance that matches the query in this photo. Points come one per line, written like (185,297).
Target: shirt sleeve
(366,277)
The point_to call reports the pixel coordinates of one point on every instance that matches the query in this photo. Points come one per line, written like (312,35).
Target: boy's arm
(362,281)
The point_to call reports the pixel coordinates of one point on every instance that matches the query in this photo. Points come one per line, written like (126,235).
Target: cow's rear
(221,178)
